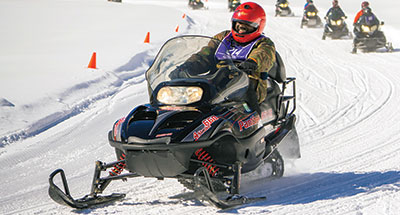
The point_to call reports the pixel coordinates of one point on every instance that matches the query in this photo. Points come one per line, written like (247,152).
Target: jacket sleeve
(264,54)
(357,16)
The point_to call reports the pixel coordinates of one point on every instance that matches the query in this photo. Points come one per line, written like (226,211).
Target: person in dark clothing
(335,9)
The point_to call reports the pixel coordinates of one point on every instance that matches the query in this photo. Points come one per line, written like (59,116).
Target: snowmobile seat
(278,71)
(277,74)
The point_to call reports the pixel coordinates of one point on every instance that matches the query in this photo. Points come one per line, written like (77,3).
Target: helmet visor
(252,24)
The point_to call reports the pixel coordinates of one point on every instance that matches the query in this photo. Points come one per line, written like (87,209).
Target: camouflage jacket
(263,53)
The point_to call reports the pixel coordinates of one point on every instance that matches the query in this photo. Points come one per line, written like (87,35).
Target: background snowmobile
(336,27)
(196,4)
(233,4)
(311,18)
(282,9)
(199,129)
(368,35)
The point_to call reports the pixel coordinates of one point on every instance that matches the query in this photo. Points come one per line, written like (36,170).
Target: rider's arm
(358,15)
(264,54)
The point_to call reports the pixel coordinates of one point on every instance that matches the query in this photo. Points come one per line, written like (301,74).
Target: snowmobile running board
(208,193)
(98,185)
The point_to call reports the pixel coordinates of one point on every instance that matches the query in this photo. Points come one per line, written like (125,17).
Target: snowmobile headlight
(173,95)
(336,23)
(365,28)
(310,13)
(374,28)
(283,5)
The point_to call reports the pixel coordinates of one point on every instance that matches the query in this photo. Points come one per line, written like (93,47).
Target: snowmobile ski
(208,193)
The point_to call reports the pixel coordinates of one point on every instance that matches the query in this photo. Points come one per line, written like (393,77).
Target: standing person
(246,44)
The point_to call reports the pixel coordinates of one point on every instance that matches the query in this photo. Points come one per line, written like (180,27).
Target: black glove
(181,71)
(248,66)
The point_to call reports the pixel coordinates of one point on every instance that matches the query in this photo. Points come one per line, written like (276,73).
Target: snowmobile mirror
(382,23)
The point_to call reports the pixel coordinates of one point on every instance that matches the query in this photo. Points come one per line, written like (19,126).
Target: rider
(360,13)
(308,2)
(367,15)
(335,9)
(246,44)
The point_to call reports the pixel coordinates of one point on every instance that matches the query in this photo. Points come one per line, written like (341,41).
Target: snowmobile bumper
(336,32)
(370,43)
(160,158)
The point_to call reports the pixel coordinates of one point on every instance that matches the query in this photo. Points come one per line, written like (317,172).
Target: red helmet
(250,13)
(364,4)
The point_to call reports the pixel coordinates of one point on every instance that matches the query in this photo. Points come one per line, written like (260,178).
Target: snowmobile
(282,9)
(336,27)
(198,128)
(311,18)
(369,37)
(196,4)
(233,4)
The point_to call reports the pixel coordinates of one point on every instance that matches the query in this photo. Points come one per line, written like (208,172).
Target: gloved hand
(248,66)
(181,71)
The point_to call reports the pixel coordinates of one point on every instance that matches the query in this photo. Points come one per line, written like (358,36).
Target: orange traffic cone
(147,39)
(92,63)
(184,15)
(177,28)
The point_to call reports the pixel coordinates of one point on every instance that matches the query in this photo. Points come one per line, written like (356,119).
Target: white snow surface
(55,112)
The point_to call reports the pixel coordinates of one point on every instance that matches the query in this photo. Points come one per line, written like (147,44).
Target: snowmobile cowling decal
(253,120)
(117,129)
(206,125)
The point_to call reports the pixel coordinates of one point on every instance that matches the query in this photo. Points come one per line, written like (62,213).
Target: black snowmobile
(282,9)
(196,4)
(311,18)
(199,129)
(368,36)
(233,4)
(336,27)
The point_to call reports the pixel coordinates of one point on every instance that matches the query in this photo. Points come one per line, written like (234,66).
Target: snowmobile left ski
(202,128)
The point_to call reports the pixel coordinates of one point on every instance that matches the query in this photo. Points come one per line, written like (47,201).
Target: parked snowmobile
(311,18)
(233,4)
(369,37)
(198,129)
(282,9)
(196,4)
(336,27)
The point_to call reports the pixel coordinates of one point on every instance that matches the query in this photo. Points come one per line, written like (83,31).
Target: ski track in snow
(346,121)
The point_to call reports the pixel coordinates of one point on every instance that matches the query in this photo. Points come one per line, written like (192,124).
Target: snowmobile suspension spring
(202,155)
(119,167)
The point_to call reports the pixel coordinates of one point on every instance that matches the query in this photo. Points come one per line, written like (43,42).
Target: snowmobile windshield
(186,71)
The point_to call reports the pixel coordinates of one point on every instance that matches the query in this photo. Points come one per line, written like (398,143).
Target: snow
(55,112)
